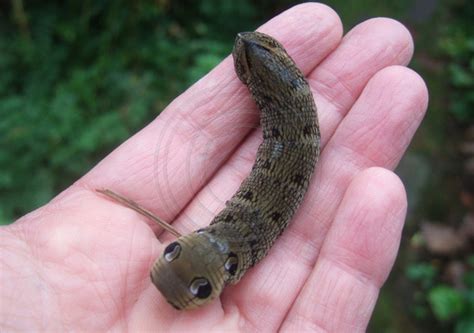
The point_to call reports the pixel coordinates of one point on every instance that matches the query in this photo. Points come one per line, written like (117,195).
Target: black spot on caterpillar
(195,268)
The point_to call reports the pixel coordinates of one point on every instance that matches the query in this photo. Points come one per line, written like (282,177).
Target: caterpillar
(194,269)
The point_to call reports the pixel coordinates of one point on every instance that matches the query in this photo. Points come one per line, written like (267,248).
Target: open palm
(82,261)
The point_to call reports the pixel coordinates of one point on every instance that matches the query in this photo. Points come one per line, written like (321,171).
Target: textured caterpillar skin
(195,268)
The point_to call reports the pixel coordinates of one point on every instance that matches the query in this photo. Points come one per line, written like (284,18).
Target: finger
(338,81)
(376,132)
(356,257)
(167,162)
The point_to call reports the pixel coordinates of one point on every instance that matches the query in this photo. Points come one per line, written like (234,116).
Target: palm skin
(82,262)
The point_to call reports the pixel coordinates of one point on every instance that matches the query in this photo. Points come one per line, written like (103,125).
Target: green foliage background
(79,77)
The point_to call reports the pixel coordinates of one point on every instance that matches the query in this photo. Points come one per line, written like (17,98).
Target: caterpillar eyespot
(172,251)
(200,287)
(194,269)
(231,264)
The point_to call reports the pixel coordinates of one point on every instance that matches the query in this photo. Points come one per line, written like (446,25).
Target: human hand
(82,262)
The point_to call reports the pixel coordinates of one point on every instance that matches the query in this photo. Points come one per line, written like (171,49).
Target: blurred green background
(79,77)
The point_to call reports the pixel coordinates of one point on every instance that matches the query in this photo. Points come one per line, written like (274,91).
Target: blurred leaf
(446,302)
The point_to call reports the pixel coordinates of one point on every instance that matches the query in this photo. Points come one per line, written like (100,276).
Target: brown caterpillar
(195,268)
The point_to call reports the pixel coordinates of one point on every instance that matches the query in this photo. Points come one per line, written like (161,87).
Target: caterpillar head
(193,270)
